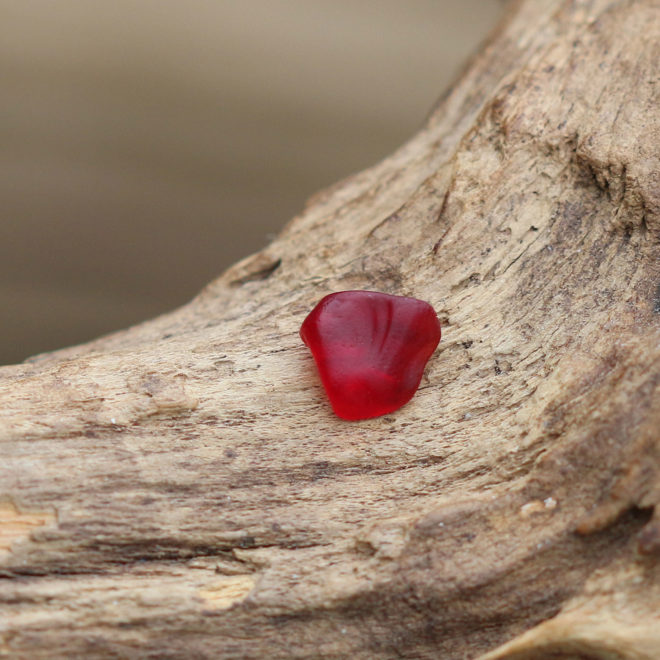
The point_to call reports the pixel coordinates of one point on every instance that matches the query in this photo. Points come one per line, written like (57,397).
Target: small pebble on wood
(370,349)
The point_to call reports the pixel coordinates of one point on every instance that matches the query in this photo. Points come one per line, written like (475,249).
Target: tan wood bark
(182,490)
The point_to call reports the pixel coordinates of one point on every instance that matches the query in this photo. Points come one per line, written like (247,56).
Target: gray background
(148,144)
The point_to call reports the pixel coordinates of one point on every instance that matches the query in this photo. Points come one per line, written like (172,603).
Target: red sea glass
(370,349)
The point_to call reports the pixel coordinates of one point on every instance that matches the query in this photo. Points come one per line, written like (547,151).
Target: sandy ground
(148,144)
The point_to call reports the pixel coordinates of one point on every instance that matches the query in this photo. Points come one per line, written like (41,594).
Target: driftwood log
(182,489)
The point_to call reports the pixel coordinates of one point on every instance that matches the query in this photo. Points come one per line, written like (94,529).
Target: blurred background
(148,144)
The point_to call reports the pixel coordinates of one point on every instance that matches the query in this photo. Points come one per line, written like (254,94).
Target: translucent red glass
(370,349)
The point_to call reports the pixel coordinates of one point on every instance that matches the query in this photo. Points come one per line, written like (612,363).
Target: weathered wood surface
(182,489)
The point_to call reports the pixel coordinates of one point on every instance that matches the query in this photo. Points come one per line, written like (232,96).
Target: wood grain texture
(182,490)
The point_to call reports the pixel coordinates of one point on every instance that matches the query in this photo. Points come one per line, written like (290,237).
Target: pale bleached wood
(182,490)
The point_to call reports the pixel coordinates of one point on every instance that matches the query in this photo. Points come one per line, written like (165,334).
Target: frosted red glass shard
(370,349)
